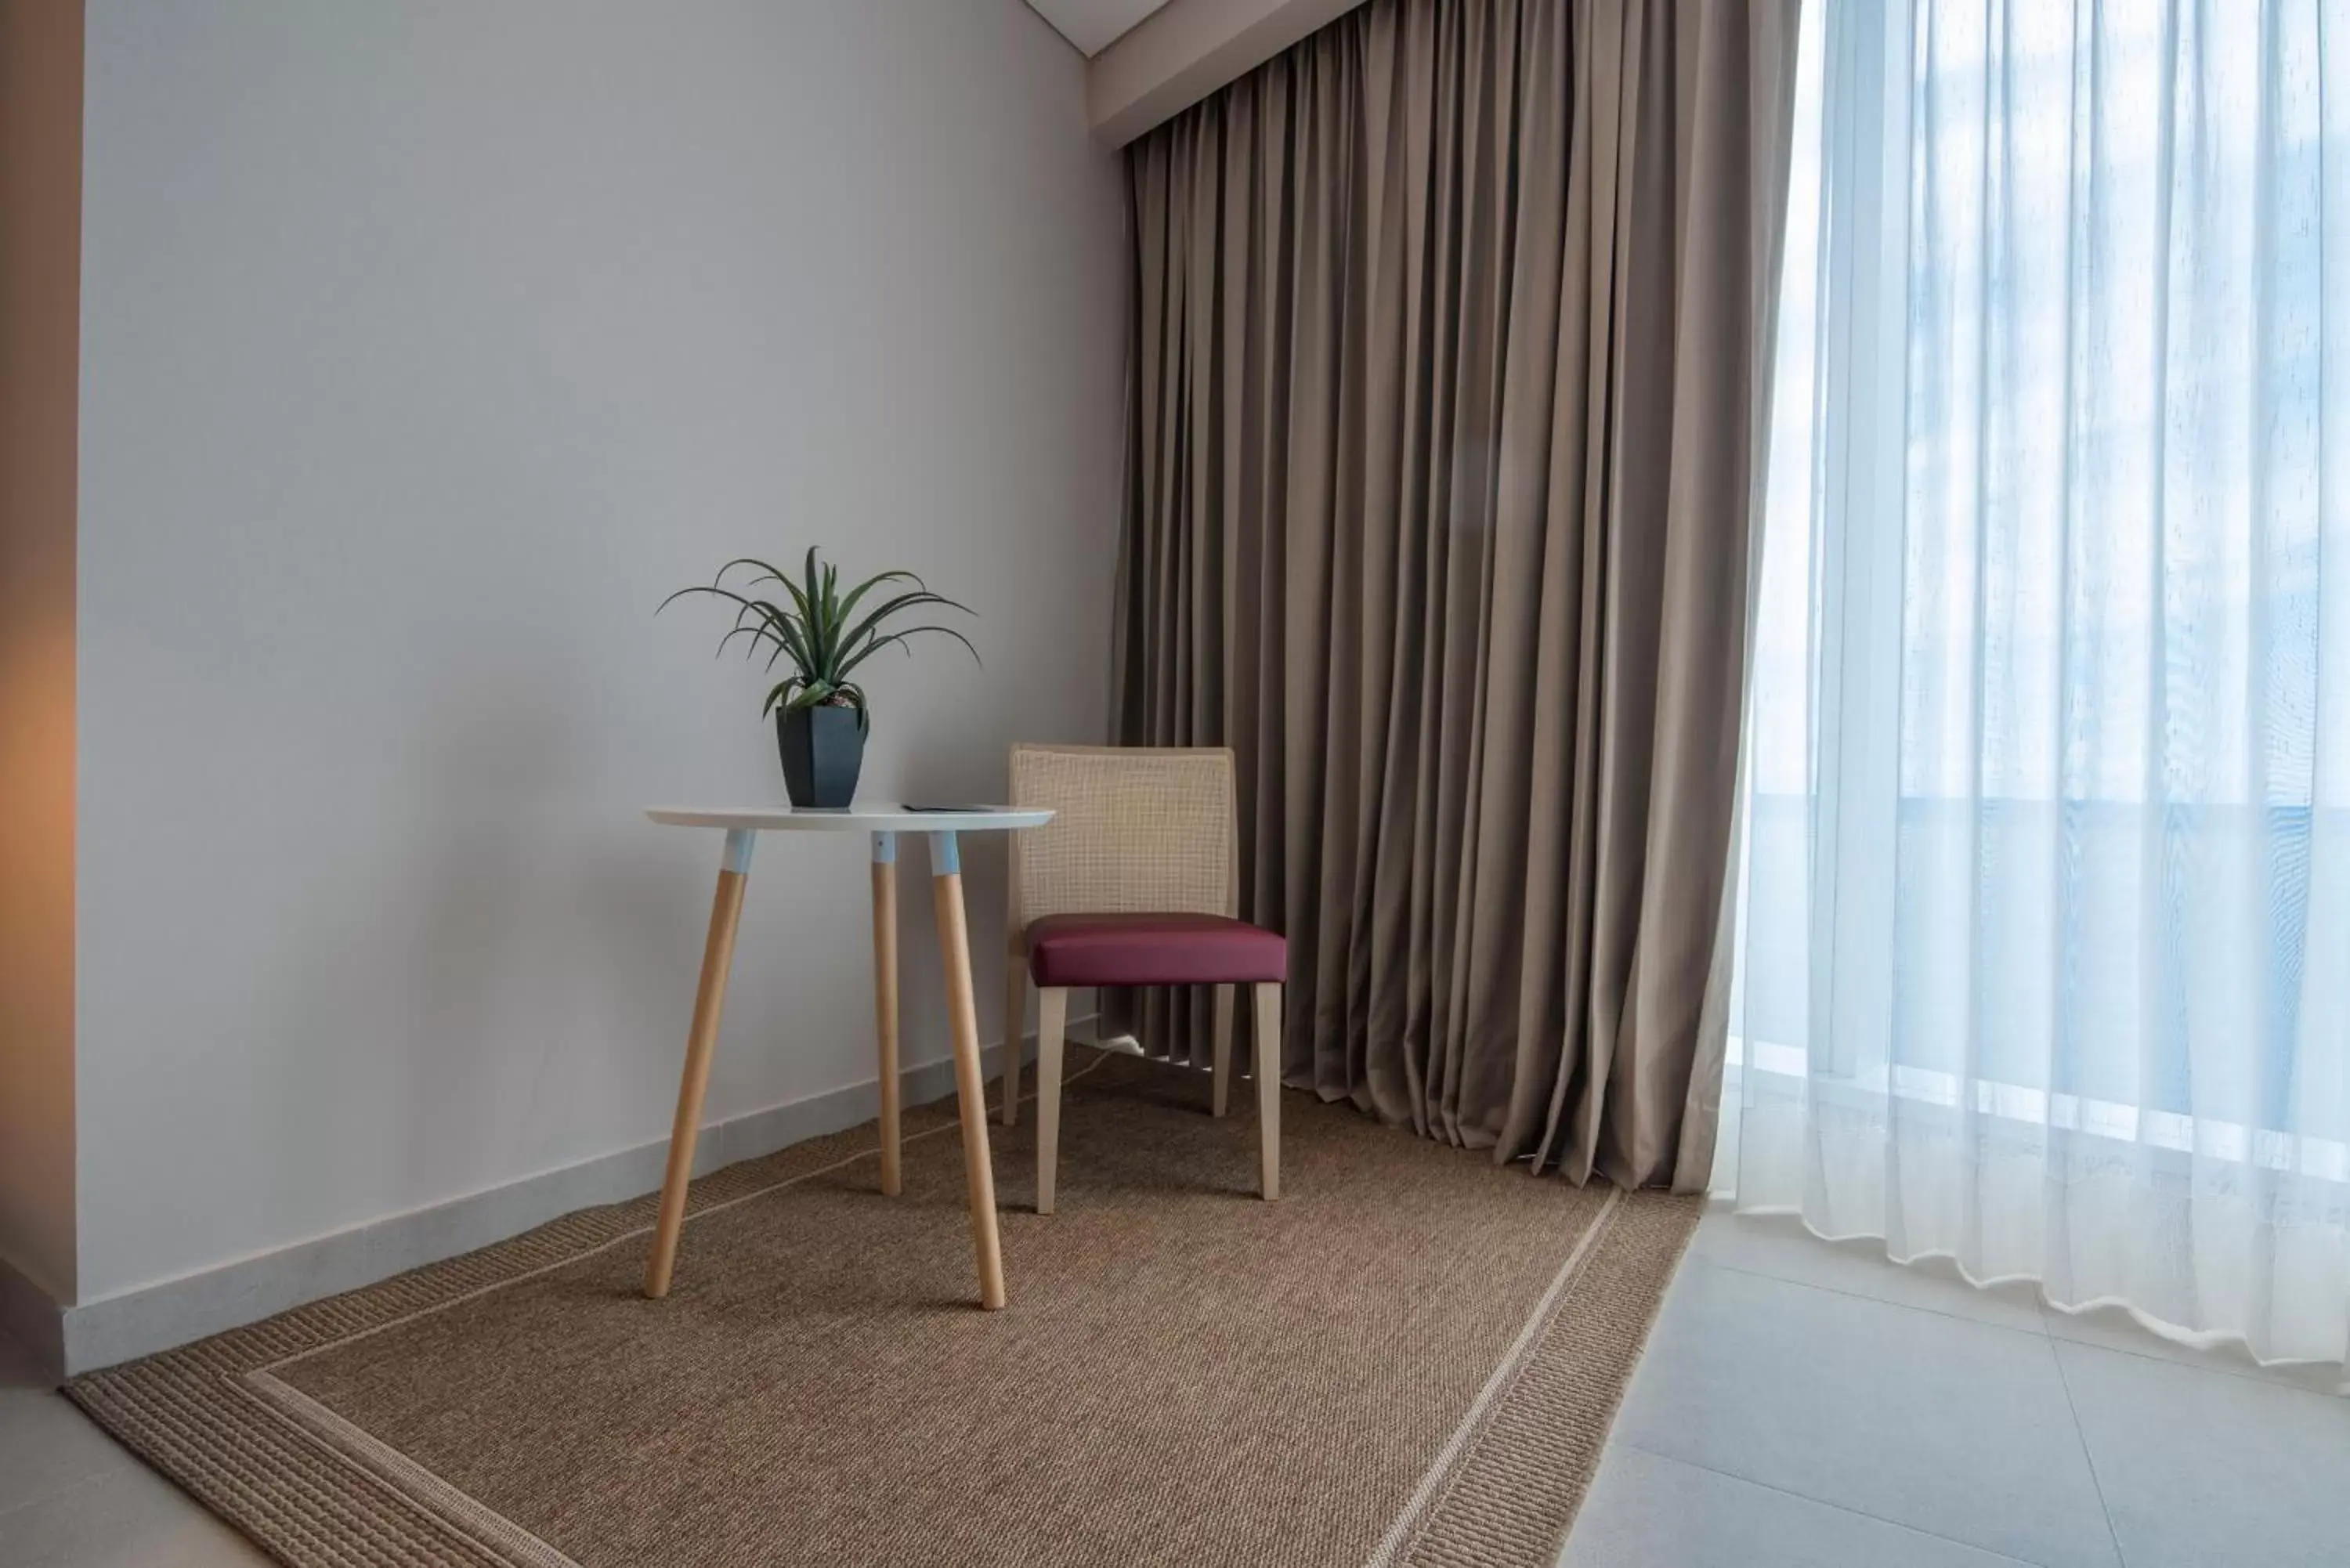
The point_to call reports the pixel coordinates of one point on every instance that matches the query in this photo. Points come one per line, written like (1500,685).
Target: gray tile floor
(1803,1403)
(1801,1406)
(69,1497)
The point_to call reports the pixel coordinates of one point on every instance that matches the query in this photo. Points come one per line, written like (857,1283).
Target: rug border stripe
(318,1491)
(253,1467)
(484,1526)
(1513,1500)
(1449,1459)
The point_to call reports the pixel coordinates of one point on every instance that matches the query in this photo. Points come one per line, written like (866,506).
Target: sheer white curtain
(2045,912)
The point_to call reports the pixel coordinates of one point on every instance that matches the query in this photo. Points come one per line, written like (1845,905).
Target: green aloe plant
(819,631)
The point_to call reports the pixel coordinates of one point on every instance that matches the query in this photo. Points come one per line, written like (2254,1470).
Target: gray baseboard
(177,1312)
(31,1317)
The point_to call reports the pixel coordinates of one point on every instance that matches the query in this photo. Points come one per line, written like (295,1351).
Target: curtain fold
(1450,358)
(2047,859)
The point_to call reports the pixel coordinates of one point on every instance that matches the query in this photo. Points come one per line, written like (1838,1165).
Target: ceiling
(1092,25)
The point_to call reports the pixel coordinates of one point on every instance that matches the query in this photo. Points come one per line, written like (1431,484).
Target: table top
(879,817)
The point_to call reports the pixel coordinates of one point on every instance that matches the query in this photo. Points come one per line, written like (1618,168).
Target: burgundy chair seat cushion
(1152,950)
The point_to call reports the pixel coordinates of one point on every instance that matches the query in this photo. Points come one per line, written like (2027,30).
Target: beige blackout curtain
(1450,350)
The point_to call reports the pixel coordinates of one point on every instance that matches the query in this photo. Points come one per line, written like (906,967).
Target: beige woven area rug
(1412,1359)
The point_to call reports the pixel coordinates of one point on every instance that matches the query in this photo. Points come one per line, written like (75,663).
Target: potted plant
(821,716)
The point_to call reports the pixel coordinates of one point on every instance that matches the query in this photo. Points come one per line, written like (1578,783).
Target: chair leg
(1052,1020)
(1220,1091)
(1015,1021)
(1268,1090)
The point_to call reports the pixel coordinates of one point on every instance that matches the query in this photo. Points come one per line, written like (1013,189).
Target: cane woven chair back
(1135,830)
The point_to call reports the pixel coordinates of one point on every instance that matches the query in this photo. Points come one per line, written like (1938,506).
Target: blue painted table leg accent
(738,850)
(945,859)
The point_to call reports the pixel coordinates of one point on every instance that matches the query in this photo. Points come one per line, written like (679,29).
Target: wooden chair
(1135,881)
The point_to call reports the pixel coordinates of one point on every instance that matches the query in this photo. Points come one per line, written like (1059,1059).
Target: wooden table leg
(700,1044)
(884,1000)
(970,1087)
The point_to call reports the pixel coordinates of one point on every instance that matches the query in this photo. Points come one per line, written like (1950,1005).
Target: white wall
(40,163)
(426,346)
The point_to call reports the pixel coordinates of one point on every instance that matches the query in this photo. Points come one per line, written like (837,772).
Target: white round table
(743,825)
